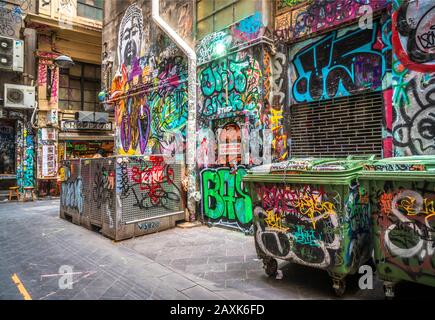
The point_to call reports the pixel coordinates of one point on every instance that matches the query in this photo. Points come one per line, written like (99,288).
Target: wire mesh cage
(120,194)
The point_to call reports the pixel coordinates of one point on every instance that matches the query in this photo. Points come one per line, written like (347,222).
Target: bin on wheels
(312,212)
(403,212)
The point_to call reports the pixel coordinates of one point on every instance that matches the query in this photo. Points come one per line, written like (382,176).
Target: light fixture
(64,62)
(220,49)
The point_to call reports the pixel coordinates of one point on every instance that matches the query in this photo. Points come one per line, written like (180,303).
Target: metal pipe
(191,121)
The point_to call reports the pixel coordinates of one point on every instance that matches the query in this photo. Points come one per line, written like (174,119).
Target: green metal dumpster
(312,212)
(402,196)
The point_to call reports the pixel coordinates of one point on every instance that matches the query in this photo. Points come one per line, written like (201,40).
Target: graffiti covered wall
(413,97)
(12,14)
(25,155)
(241,97)
(319,15)
(342,63)
(149,82)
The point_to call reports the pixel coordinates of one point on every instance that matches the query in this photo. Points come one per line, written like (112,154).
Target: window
(215,15)
(91,9)
(79,87)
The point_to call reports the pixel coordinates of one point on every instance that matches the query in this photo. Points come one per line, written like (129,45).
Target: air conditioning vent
(6,61)
(19,97)
(89,116)
(11,54)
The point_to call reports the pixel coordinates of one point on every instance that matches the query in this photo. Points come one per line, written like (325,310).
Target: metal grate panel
(338,127)
(85,175)
(71,200)
(148,188)
(102,194)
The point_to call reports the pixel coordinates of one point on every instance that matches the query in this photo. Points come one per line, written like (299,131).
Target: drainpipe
(191,121)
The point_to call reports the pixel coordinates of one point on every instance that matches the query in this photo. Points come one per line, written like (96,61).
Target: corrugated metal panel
(338,127)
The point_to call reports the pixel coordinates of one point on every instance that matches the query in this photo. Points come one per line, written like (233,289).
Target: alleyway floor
(197,263)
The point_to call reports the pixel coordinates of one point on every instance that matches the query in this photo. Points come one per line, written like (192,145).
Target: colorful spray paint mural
(225,200)
(25,156)
(414,78)
(313,225)
(404,216)
(241,97)
(229,107)
(150,93)
(219,44)
(320,15)
(341,63)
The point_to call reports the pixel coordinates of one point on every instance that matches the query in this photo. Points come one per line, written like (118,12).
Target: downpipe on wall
(191,120)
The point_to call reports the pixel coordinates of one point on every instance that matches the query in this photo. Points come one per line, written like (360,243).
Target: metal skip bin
(312,212)
(123,196)
(402,193)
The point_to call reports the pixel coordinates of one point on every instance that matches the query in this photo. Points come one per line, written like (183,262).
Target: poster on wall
(48,134)
(49,161)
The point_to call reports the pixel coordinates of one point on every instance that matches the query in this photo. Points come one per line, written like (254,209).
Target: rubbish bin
(312,212)
(403,212)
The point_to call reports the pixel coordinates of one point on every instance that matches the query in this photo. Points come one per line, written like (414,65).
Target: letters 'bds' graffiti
(341,63)
(225,200)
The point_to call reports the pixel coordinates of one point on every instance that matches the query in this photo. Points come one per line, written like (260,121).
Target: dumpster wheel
(339,286)
(270,266)
(389,290)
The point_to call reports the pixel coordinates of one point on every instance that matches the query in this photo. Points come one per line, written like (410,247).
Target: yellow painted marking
(20,287)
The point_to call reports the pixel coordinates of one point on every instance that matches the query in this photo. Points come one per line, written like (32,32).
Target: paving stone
(209,267)
(225,259)
(213,260)
(177,281)
(167,293)
(200,293)
(225,275)
(189,261)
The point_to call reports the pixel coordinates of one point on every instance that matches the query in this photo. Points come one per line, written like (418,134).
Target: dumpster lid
(415,164)
(313,165)
(296,164)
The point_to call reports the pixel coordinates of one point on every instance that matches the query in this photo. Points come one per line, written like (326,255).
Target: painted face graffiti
(130,36)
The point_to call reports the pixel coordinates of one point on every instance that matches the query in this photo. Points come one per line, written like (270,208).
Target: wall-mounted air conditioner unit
(11,54)
(19,97)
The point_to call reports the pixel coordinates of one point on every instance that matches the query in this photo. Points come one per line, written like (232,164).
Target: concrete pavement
(196,263)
